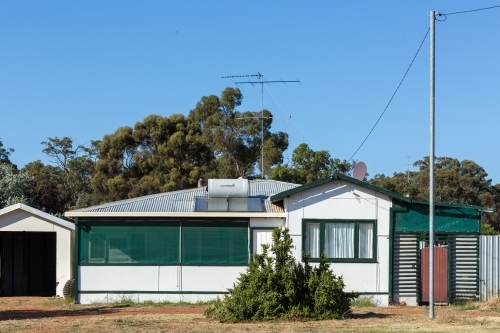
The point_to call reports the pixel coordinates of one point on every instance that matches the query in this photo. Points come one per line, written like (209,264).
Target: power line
(394,94)
(469,11)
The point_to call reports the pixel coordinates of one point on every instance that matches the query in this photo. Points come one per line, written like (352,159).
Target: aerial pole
(261,82)
(431,165)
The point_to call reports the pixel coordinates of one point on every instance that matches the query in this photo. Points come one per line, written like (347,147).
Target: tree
(14,186)
(455,181)
(47,189)
(236,137)
(5,153)
(308,165)
(159,154)
(69,180)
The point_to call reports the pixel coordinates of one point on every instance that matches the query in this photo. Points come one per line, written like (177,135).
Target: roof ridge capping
(391,194)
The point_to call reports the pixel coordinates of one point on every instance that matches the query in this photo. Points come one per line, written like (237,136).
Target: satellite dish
(359,172)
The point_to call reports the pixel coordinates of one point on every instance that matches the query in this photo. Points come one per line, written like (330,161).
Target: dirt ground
(38,314)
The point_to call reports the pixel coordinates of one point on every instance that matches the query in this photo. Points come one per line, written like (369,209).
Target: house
(192,244)
(36,252)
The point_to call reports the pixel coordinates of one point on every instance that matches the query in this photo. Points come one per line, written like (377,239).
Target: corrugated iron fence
(489,267)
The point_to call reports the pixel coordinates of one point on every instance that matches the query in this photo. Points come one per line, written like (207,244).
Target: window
(340,240)
(214,243)
(130,243)
(164,242)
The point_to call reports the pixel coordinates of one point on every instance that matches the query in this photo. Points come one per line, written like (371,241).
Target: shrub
(275,286)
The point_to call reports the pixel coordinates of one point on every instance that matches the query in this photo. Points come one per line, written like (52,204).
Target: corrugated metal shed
(183,201)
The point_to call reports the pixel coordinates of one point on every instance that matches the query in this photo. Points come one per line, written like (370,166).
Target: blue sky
(84,68)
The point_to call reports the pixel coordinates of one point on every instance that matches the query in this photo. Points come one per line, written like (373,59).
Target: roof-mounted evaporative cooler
(228,195)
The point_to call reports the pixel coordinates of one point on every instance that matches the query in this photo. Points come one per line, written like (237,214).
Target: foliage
(488,230)
(5,153)
(275,286)
(47,190)
(13,186)
(159,154)
(66,184)
(455,181)
(236,137)
(308,165)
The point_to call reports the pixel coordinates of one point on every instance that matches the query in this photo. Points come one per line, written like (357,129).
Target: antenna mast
(408,175)
(261,82)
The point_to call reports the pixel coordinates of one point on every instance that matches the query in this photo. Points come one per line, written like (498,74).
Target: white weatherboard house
(35,252)
(192,244)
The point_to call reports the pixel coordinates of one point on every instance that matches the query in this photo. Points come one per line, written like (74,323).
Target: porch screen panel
(215,243)
(155,243)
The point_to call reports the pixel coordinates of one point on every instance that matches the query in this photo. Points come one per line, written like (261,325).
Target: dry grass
(493,304)
(55,315)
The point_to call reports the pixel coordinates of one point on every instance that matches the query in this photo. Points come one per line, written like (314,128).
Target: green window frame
(341,240)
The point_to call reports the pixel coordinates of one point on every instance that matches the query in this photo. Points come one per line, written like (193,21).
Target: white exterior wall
(156,283)
(20,220)
(343,200)
(159,283)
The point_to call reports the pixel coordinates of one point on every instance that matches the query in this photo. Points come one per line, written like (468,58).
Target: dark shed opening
(28,263)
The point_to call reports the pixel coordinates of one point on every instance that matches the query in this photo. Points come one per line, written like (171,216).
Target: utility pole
(261,82)
(431,164)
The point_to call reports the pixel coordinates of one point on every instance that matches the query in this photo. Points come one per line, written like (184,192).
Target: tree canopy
(5,153)
(455,181)
(13,186)
(214,140)
(308,165)
(236,137)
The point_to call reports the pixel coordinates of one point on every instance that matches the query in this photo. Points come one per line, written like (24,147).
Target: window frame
(322,224)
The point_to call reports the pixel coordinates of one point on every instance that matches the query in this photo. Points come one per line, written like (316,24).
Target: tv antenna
(260,81)
(408,174)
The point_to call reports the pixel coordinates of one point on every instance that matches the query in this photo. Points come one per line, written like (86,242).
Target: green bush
(275,286)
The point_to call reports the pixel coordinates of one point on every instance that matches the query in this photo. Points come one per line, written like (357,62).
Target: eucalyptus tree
(159,154)
(308,165)
(455,181)
(236,136)
(5,153)
(14,186)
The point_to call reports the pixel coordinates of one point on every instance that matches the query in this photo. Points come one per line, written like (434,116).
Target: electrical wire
(469,11)
(300,129)
(390,100)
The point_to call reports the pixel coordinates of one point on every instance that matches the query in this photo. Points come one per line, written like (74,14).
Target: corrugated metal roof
(183,201)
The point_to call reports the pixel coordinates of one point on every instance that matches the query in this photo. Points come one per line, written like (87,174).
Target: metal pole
(431,169)
(262,119)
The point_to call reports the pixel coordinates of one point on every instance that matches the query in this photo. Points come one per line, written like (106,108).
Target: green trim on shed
(414,218)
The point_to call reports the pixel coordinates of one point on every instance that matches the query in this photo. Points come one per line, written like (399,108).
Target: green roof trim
(392,195)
